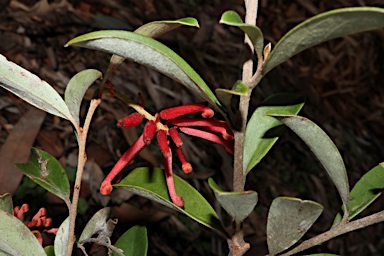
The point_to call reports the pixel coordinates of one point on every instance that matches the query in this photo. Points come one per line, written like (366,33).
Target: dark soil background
(341,79)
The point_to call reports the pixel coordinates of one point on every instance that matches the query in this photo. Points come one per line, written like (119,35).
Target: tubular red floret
(163,143)
(208,124)
(208,136)
(175,112)
(185,166)
(175,136)
(106,187)
(130,121)
(149,131)
(176,199)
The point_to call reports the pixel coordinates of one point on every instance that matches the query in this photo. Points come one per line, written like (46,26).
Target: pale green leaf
(16,238)
(6,203)
(155,29)
(225,96)
(324,27)
(237,204)
(149,52)
(263,131)
(324,149)
(150,183)
(134,242)
(253,32)
(32,89)
(76,89)
(365,191)
(96,224)
(288,220)
(61,239)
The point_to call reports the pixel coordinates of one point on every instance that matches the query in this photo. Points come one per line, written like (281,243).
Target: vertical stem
(237,244)
(82,138)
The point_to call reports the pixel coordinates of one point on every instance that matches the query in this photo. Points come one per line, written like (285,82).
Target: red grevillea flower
(167,124)
(38,223)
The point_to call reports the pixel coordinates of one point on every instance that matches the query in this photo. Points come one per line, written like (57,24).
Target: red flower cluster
(38,221)
(167,124)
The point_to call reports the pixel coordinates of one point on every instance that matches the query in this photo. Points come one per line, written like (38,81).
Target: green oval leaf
(134,242)
(150,183)
(148,52)
(237,204)
(288,220)
(16,238)
(96,224)
(61,239)
(225,96)
(263,131)
(46,171)
(32,89)
(324,149)
(324,27)
(155,29)
(6,203)
(365,191)
(253,32)
(49,250)
(76,89)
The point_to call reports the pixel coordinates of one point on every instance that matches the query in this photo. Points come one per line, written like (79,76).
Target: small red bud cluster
(38,221)
(167,124)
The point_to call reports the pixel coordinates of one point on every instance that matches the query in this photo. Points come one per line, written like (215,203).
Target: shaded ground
(341,80)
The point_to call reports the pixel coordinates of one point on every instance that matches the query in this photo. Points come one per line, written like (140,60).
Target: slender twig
(82,138)
(237,244)
(341,229)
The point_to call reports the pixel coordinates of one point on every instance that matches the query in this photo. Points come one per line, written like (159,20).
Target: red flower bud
(208,136)
(176,199)
(149,131)
(130,121)
(175,112)
(185,166)
(175,136)
(209,125)
(163,143)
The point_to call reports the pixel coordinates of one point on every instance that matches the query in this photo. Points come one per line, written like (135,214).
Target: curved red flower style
(167,124)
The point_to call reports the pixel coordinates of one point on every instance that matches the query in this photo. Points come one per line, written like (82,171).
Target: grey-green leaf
(324,27)
(288,220)
(150,183)
(324,149)
(46,171)
(148,52)
(96,224)
(263,131)
(253,32)
(155,29)
(76,89)
(32,89)
(6,203)
(365,191)
(134,242)
(61,239)
(237,204)
(16,238)
(225,96)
